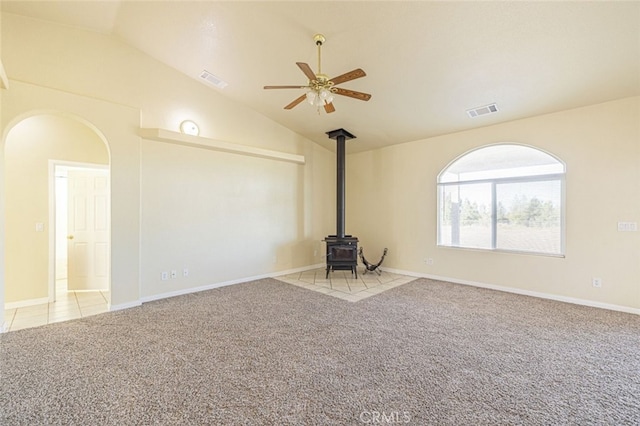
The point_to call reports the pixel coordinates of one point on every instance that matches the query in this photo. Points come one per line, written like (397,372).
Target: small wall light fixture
(189,127)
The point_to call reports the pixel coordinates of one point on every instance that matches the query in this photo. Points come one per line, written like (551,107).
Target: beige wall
(113,123)
(3,75)
(223,216)
(99,66)
(392,203)
(2,251)
(29,147)
(172,206)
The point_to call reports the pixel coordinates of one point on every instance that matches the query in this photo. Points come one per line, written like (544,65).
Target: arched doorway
(35,149)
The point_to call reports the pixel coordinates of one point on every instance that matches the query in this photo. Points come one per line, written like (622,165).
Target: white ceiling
(426,62)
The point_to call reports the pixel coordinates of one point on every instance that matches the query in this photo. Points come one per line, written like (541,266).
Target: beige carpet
(267,353)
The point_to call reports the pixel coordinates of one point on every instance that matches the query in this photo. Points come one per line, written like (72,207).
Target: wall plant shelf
(168,136)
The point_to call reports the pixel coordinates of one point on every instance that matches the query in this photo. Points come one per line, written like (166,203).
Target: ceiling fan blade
(306,69)
(351,75)
(329,108)
(285,87)
(296,102)
(351,93)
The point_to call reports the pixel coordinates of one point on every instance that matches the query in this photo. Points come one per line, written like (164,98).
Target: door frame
(53,164)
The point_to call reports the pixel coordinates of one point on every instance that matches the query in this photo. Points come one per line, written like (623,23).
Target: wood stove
(342,254)
(342,249)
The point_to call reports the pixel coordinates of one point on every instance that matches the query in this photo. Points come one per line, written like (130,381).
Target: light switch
(39,227)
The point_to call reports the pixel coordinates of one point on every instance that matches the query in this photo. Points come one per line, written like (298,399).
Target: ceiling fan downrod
(319,39)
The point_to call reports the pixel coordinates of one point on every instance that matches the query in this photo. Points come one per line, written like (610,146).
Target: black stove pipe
(340,187)
(340,135)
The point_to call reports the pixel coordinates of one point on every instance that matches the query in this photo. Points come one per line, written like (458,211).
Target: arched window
(503,197)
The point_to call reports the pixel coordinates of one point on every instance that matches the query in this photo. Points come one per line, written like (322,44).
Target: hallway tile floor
(343,285)
(68,305)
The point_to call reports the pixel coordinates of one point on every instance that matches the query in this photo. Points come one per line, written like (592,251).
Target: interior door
(88,229)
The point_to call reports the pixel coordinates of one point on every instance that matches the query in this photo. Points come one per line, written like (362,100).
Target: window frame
(550,177)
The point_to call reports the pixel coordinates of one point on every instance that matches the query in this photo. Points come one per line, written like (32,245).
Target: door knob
(70,237)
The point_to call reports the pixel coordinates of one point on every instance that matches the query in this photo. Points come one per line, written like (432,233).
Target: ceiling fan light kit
(321,88)
(319,97)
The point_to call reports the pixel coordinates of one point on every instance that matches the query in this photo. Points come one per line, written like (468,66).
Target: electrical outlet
(627,226)
(174,274)
(597,282)
(429,261)
(164,276)
(185,272)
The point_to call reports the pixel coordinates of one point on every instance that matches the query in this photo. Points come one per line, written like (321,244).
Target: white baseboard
(549,296)
(304,268)
(122,306)
(39,301)
(25,303)
(181,292)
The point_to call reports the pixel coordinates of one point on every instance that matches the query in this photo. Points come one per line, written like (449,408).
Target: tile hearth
(343,285)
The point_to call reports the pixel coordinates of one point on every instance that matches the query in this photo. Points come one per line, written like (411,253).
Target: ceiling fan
(321,88)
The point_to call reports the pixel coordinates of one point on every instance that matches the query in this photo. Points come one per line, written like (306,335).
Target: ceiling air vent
(210,78)
(483,110)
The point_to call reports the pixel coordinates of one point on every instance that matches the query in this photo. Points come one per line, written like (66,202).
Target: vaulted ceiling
(426,62)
